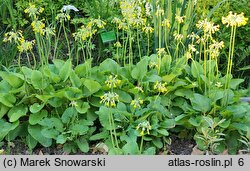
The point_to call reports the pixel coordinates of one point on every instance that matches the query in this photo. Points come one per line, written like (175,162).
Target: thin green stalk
(67,40)
(141,146)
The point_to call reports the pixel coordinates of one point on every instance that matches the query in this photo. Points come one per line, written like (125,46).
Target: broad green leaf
(82,69)
(75,80)
(195,121)
(168,78)
(36,107)
(83,144)
(131,147)
(78,129)
(37,117)
(3,110)
(52,123)
(31,142)
(73,93)
(68,114)
(61,139)
(201,103)
(123,96)
(82,107)
(16,112)
(109,65)
(99,136)
(140,70)
(44,98)
(168,123)
(65,70)
(163,132)
(36,132)
(56,102)
(150,151)
(50,133)
(6,127)
(234,83)
(157,142)
(196,69)
(38,80)
(14,79)
(7,99)
(103,114)
(92,86)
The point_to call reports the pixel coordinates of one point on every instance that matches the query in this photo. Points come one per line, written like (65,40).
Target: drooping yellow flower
(144,126)
(33,11)
(13,36)
(160,87)
(25,45)
(160,51)
(147,29)
(207,26)
(112,81)
(136,103)
(235,19)
(179,19)
(38,26)
(61,17)
(109,99)
(166,23)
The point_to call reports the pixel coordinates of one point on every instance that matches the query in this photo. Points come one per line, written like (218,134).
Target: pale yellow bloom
(235,19)
(38,26)
(136,103)
(13,36)
(112,81)
(25,45)
(144,126)
(179,19)
(160,87)
(109,99)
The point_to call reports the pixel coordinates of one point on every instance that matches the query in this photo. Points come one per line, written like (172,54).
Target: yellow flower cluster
(207,26)
(178,37)
(117,44)
(144,126)
(25,45)
(160,87)
(61,17)
(160,51)
(235,19)
(166,23)
(13,36)
(109,99)
(179,19)
(84,33)
(139,89)
(112,81)
(147,29)
(32,10)
(38,26)
(136,103)
(215,47)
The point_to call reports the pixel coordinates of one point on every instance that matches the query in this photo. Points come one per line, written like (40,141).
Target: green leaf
(75,80)
(109,65)
(31,142)
(68,114)
(140,70)
(37,80)
(6,127)
(16,112)
(163,132)
(103,114)
(196,69)
(150,151)
(73,93)
(99,136)
(83,144)
(61,139)
(36,107)
(168,78)
(65,70)
(37,117)
(7,99)
(239,126)
(195,121)
(234,83)
(91,85)
(131,147)
(14,79)
(35,132)
(157,142)
(201,103)
(50,133)
(3,110)
(123,96)
(168,123)
(52,123)
(79,129)
(82,69)
(82,107)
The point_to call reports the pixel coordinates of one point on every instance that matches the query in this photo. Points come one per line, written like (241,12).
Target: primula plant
(126,83)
